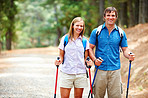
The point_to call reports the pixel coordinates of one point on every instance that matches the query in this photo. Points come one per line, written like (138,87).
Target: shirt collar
(103,26)
(80,37)
(116,27)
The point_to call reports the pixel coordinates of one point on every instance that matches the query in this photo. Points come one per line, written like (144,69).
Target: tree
(101,9)
(131,13)
(123,14)
(10,31)
(143,11)
(136,11)
(8,10)
(58,26)
(37,19)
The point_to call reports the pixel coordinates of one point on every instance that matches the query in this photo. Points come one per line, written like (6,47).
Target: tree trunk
(9,34)
(131,13)
(142,11)
(123,15)
(101,11)
(8,40)
(146,10)
(59,32)
(136,11)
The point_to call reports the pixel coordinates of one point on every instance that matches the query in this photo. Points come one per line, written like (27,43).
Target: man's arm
(126,53)
(91,52)
(92,55)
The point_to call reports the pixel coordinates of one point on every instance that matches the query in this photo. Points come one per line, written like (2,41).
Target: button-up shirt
(74,56)
(108,47)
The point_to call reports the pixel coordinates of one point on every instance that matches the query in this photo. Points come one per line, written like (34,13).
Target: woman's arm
(61,55)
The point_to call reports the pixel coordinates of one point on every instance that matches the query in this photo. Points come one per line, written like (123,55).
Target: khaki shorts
(70,80)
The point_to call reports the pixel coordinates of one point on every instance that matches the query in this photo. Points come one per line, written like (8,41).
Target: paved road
(29,76)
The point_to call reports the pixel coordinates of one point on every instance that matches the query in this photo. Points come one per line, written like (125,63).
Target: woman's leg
(78,92)
(65,92)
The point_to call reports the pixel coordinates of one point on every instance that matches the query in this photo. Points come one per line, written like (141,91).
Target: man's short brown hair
(109,9)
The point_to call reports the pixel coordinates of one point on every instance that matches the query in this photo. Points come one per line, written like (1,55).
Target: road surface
(29,75)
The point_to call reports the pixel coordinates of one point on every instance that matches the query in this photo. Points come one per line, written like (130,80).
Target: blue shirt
(108,47)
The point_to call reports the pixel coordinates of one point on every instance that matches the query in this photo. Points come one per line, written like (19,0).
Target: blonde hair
(71,31)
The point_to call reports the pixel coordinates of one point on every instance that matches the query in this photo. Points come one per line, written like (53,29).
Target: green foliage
(37,23)
(8,10)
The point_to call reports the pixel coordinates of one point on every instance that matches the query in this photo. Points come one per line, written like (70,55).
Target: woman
(72,56)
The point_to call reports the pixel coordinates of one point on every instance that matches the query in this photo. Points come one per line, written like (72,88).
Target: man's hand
(131,56)
(98,61)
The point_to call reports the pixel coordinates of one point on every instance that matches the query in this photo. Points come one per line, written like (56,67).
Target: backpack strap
(121,35)
(84,42)
(99,30)
(65,40)
(97,34)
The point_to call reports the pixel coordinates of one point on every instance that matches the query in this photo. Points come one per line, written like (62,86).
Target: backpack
(84,41)
(99,29)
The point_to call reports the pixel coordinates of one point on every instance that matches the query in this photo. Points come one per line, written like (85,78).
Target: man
(107,44)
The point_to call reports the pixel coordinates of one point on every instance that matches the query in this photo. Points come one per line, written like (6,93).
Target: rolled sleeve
(87,45)
(61,45)
(124,41)
(92,39)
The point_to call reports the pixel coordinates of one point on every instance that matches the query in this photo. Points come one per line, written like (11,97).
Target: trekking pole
(94,77)
(128,77)
(56,78)
(89,76)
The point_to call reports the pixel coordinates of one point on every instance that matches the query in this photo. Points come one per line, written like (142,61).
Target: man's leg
(100,84)
(114,84)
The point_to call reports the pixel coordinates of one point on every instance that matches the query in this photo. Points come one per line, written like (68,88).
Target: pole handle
(100,59)
(58,58)
(88,66)
(130,60)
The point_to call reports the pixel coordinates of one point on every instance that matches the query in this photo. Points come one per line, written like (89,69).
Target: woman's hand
(58,62)
(89,63)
